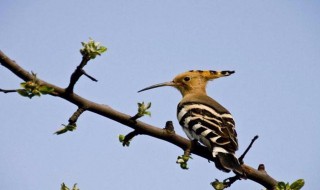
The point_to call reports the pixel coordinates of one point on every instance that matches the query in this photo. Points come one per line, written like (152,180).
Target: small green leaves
(123,141)
(182,160)
(32,88)
(64,187)
(24,93)
(282,186)
(218,185)
(143,109)
(66,128)
(297,185)
(91,49)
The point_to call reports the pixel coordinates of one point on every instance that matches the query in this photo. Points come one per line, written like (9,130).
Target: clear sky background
(274,47)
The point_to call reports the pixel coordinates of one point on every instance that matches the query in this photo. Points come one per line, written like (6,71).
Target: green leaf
(36,92)
(23,92)
(143,109)
(29,85)
(281,186)
(92,48)
(217,185)
(102,49)
(122,138)
(186,158)
(66,128)
(148,105)
(148,113)
(45,89)
(61,131)
(64,187)
(184,166)
(23,84)
(183,161)
(75,187)
(297,185)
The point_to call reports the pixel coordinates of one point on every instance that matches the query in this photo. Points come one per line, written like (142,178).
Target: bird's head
(193,81)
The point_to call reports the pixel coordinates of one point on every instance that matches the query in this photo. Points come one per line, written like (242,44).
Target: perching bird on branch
(205,120)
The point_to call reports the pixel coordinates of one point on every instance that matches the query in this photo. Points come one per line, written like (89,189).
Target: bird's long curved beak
(159,85)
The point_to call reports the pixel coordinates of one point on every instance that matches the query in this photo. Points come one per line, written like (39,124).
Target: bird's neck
(194,93)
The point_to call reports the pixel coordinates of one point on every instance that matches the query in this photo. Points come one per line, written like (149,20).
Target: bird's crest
(192,81)
(196,80)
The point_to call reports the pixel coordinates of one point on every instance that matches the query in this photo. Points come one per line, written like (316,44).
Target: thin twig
(77,74)
(73,119)
(130,136)
(229,181)
(135,117)
(248,148)
(7,91)
(72,122)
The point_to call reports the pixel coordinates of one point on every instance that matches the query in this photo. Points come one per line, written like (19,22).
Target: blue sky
(272,45)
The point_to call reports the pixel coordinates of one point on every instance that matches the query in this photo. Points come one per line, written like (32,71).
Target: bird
(203,119)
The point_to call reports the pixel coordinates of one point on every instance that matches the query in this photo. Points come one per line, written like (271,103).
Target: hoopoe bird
(205,120)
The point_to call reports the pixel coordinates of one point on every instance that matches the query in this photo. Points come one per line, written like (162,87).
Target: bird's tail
(228,162)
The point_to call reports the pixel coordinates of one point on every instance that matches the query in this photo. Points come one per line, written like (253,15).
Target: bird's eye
(186,79)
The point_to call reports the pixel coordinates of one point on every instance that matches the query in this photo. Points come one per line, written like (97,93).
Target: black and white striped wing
(209,126)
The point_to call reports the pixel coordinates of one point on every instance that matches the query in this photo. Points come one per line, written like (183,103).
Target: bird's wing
(218,119)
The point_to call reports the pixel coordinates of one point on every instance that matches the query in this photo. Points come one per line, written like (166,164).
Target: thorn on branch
(247,150)
(261,168)
(90,77)
(125,140)
(169,127)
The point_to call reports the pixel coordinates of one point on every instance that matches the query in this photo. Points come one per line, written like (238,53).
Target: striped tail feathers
(227,162)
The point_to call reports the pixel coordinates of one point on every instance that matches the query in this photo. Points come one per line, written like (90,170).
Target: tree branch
(77,74)
(7,91)
(259,176)
(73,119)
